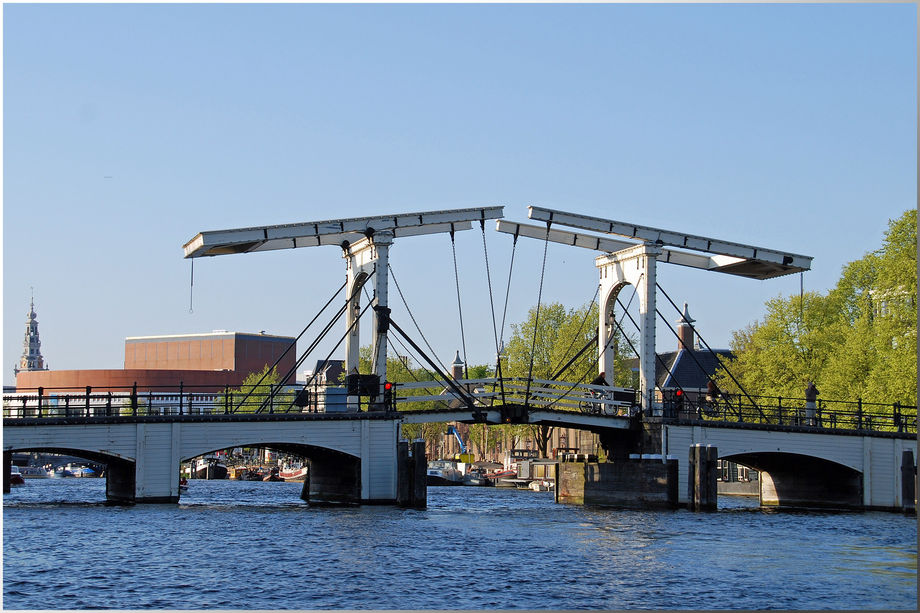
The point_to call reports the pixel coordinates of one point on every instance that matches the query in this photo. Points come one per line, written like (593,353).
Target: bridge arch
(119,469)
(606,328)
(796,479)
(334,476)
(93,455)
(353,457)
(801,467)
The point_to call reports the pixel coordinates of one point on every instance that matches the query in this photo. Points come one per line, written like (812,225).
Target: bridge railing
(774,410)
(115,401)
(537,393)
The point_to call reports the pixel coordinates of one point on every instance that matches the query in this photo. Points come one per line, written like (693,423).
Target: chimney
(456,369)
(684,331)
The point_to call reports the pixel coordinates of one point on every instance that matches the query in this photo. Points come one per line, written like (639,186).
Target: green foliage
(561,333)
(858,341)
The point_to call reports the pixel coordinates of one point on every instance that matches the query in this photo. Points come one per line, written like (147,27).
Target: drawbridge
(352,436)
(627,255)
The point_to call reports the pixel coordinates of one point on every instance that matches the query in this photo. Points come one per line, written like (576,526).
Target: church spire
(31,345)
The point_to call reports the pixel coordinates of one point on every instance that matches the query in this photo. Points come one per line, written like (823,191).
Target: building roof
(690,368)
(332,370)
(203,335)
(685,367)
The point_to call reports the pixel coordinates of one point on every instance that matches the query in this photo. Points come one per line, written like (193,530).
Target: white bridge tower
(633,262)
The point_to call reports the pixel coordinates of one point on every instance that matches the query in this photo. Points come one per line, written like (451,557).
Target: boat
(477,477)
(295,472)
(273,475)
(209,467)
(84,471)
(34,472)
(16,476)
(443,472)
(501,474)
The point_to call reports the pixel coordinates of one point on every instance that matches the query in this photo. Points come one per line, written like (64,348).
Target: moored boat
(209,467)
(477,477)
(34,472)
(294,473)
(16,476)
(443,472)
(272,475)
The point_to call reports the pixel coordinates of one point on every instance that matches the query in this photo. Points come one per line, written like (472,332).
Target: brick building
(213,360)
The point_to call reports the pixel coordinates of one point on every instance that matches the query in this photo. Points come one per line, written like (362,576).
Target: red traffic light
(679,392)
(387,386)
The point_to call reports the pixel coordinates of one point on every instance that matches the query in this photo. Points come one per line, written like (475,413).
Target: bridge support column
(120,482)
(334,479)
(156,471)
(908,482)
(703,492)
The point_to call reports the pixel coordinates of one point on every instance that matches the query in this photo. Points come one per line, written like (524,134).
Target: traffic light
(388,396)
(513,414)
(679,399)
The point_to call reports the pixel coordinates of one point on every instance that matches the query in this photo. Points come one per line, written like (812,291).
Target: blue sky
(784,126)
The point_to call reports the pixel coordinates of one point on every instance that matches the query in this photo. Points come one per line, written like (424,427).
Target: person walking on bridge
(712,396)
(811,396)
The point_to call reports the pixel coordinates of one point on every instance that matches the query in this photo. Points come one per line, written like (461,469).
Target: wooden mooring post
(703,494)
(412,475)
(908,482)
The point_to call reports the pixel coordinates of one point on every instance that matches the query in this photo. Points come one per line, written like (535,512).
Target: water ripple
(256,545)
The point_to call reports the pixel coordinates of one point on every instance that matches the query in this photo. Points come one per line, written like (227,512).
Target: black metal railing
(852,415)
(181,400)
(193,401)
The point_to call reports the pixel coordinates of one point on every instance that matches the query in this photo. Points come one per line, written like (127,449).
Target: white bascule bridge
(356,455)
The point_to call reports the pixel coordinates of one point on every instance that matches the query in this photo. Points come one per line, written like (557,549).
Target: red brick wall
(252,354)
(194,354)
(241,353)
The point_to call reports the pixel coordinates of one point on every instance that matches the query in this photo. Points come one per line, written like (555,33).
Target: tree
(258,391)
(560,334)
(857,341)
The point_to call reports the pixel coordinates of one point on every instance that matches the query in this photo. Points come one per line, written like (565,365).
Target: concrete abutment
(634,484)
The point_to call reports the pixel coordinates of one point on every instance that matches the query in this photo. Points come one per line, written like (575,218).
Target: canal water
(255,545)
